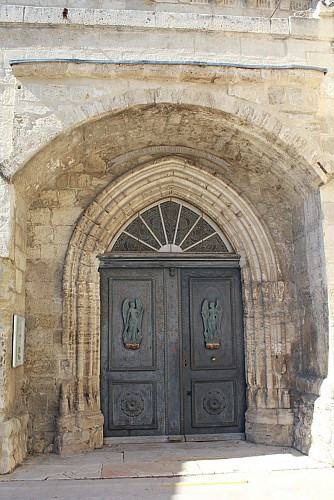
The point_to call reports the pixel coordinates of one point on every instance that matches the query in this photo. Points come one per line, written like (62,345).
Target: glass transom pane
(170,227)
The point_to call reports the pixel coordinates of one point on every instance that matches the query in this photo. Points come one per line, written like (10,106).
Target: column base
(79,433)
(13,442)
(270,426)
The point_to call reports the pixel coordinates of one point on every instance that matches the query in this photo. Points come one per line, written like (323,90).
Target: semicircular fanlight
(171,226)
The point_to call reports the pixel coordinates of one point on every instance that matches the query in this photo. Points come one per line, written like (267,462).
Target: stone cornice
(146,20)
(219,72)
(13,14)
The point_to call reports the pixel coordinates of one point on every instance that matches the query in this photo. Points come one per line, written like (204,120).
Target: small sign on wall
(18,341)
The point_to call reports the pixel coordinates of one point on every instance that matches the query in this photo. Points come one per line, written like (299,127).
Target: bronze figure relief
(212,313)
(132,312)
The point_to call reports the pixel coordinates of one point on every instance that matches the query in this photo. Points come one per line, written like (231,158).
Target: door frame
(169,261)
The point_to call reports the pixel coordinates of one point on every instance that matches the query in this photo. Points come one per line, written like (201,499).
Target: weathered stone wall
(254,115)
(311,288)
(323,417)
(43,111)
(51,219)
(13,415)
(311,316)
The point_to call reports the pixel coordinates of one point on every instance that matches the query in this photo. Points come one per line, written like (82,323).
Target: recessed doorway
(172,358)
(172,350)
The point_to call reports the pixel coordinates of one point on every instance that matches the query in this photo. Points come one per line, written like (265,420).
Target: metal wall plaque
(18,340)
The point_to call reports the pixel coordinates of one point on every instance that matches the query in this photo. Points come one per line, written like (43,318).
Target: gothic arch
(251,118)
(263,287)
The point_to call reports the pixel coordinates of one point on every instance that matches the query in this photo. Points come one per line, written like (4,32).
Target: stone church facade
(166,223)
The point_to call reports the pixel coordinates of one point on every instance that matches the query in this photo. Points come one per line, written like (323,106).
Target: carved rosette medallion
(132,404)
(214,403)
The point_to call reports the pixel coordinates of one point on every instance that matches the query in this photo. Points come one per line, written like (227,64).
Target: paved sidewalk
(225,469)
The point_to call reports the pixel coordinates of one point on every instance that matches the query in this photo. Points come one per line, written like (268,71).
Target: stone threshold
(182,438)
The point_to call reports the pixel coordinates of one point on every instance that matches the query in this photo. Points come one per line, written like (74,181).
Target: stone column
(79,426)
(269,417)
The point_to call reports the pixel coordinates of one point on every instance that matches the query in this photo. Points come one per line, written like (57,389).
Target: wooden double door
(172,356)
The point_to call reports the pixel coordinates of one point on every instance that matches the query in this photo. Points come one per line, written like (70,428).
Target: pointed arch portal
(100,230)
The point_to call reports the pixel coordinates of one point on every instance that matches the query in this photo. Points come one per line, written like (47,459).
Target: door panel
(172,357)
(132,405)
(213,374)
(212,403)
(201,289)
(132,375)
(145,357)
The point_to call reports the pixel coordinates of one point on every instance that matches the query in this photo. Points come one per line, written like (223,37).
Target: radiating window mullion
(163,225)
(192,227)
(140,240)
(199,242)
(150,230)
(177,224)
